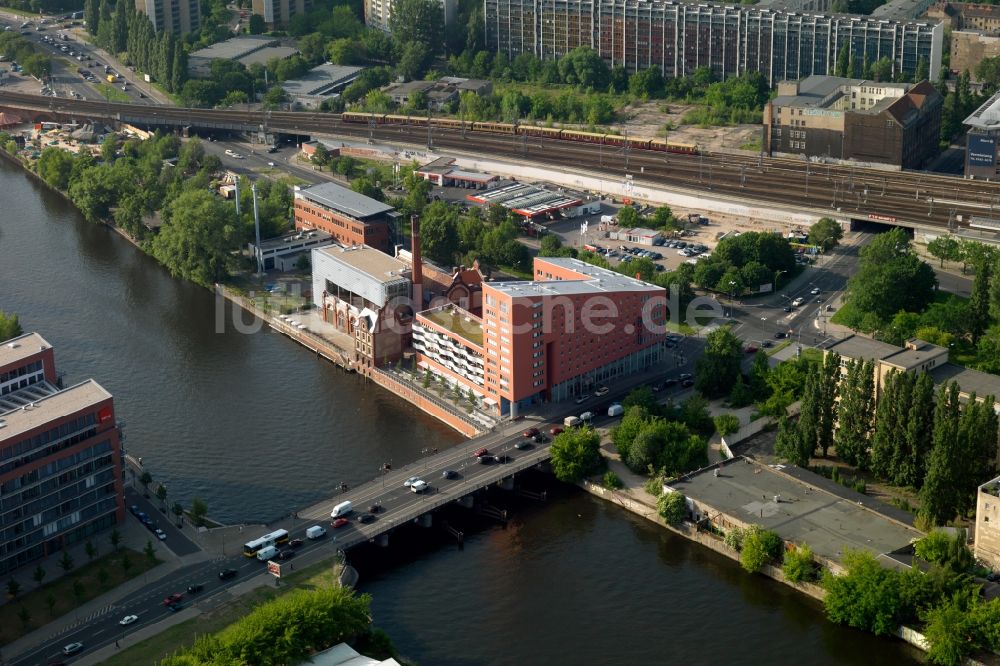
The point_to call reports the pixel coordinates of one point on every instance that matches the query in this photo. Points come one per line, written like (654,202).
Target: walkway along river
(257,426)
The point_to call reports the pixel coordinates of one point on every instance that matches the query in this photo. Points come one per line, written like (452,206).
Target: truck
(342,510)
(315,532)
(111,78)
(616,410)
(571,421)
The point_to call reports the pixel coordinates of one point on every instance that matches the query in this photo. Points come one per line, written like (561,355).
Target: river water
(256,426)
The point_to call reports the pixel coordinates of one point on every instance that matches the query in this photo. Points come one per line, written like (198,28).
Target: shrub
(798,566)
(734,538)
(612,481)
(760,547)
(672,507)
(726,424)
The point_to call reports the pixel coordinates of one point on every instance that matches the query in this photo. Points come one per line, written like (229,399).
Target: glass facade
(678,38)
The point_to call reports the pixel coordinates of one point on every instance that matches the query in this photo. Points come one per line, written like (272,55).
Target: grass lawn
(20,12)
(155,648)
(111,93)
(775,350)
(61,591)
(681,327)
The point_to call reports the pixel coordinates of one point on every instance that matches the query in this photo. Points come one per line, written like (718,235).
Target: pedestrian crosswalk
(84,619)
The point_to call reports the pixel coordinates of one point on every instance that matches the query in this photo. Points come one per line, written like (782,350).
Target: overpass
(916,200)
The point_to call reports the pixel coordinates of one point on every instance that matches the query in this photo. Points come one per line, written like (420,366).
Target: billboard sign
(274,568)
(981,150)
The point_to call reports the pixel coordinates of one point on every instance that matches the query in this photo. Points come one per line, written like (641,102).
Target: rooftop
(914,354)
(50,407)
(525,199)
(373,263)
(344,200)
(593,280)
(804,512)
(987,116)
(21,347)
(235,47)
(854,346)
(820,91)
(969,380)
(264,55)
(295,238)
(458,321)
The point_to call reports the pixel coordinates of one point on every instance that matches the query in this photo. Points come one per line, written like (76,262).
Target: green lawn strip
(61,591)
(111,93)
(775,350)
(169,641)
(681,327)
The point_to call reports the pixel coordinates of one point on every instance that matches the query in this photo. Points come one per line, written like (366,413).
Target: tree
(50,602)
(196,238)
(66,561)
(13,588)
(791,445)
(856,413)
(178,511)
(92,16)
(10,327)
(55,166)
(979,301)
(415,60)
(145,479)
(951,629)
(116,538)
(438,228)
(25,616)
(103,577)
(161,494)
(944,248)
(418,21)
(150,552)
(727,424)
(90,549)
(798,565)
(38,575)
(79,591)
(126,563)
(257,25)
(719,365)
(866,597)
(198,511)
(672,507)
(320,156)
(940,494)
(759,547)
(576,454)
(843,61)
(826,233)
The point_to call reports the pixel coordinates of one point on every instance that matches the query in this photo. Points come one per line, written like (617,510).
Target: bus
(274,538)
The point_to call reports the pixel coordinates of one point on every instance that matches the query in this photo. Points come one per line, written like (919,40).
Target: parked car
(687,383)
(226,574)
(127,620)
(669,382)
(160,534)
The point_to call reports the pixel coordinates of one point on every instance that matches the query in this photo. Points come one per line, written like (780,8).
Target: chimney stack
(417,272)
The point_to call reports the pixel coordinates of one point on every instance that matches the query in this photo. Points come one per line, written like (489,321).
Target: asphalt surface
(176,540)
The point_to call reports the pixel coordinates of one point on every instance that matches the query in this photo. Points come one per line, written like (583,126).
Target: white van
(264,554)
(571,421)
(587,417)
(616,410)
(315,532)
(341,510)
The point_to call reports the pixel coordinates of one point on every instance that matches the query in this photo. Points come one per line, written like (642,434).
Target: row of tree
(23,52)
(908,436)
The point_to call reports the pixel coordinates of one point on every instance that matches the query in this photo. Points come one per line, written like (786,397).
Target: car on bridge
(173,598)
(449,474)
(481,452)
(523,445)
(410,481)
(340,522)
(366,518)
(195,588)
(72,648)
(555,430)
(419,486)
(530,432)
(127,620)
(541,438)
(226,574)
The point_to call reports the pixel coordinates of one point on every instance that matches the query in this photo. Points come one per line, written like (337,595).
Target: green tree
(866,597)
(415,59)
(10,326)
(843,61)
(418,21)
(25,616)
(150,552)
(79,591)
(791,445)
(940,494)
(438,232)
(198,511)
(13,588)
(719,365)
(951,629)
(979,302)
(145,479)
(103,577)
(826,233)
(759,547)
(576,454)
(256,24)
(38,575)
(50,602)
(196,238)
(672,507)
(910,466)
(55,166)
(126,563)
(798,565)
(90,549)
(726,424)
(856,413)
(115,538)
(66,561)
(944,248)
(178,512)
(161,492)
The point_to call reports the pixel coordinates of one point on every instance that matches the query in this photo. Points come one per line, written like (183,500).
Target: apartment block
(61,477)
(572,328)
(854,119)
(680,37)
(277,13)
(987,537)
(351,218)
(177,16)
(379,12)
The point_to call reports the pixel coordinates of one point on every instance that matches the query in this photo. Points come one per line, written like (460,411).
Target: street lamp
(732,297)
(763,322)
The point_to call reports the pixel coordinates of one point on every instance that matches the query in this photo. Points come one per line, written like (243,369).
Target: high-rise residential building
(378,13)
(177,16)
(277,13)
(575,326)
(61,474)
(731,39)
(854,119)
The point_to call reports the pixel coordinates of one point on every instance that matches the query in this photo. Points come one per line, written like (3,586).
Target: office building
(572,328)
(60,456)
(277,13)
(983,125)
(364,293)
(731,39)
(852,119)
(351,218)
(177,16)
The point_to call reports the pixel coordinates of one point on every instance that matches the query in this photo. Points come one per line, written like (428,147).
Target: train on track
(659,145)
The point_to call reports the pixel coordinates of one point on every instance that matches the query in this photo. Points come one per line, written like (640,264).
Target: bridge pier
(468,501)
(425,520)
(507,483)
(382,540)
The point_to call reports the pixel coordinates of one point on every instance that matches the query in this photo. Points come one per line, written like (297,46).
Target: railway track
(915,198)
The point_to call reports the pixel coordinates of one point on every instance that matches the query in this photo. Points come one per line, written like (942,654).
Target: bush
(672,507)
(612,481)
(734,538)
(726,424)
(760,547)
(798,566)
(576,454)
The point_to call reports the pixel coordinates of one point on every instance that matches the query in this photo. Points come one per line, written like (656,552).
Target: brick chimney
(417,272)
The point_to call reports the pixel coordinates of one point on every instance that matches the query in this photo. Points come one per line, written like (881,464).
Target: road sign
(274,568)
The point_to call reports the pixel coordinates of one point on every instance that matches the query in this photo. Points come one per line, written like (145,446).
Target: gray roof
(344,200)
(969,380)
(322,79)
(234,48)
(593,280)
(374,263)
(263,56)
(987,116)
(853,347)
(819,91)
(902,10)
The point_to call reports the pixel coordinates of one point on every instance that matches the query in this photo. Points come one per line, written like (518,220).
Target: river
(257,426)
